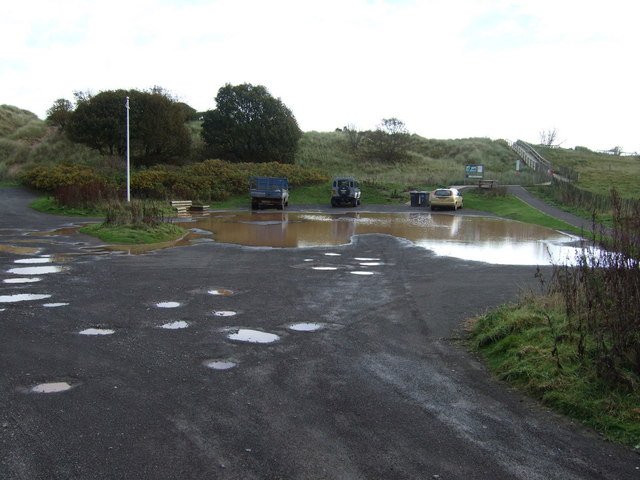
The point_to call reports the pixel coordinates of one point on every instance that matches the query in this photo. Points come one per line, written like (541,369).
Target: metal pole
(128,156)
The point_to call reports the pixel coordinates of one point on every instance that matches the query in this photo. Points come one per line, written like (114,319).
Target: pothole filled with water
(324,268)
(97,331)
(22,280)
(23,297)
(19,250)
(224,313)
(55,305)
(168,304)
(34,260)
(252,336)
(220,291)
(219,364)
(52,387)
(306,327)
(178,325)
(35,270)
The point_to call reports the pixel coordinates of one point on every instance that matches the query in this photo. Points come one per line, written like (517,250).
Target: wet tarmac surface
(233,362)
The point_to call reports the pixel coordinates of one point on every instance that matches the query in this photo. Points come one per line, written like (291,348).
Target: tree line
(247,125)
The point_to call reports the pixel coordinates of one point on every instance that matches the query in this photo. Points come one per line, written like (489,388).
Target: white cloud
(498,68)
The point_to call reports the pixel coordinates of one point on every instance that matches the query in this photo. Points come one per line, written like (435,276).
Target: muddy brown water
(487,239)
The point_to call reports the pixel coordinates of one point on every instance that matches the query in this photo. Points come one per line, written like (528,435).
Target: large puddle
(486,239)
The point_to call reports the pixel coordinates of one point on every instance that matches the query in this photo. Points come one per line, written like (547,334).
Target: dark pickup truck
(268,191)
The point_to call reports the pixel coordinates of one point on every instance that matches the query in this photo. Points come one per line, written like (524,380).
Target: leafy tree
(390,142)
(158,133)
(60,113)
(249,125)
(354,136)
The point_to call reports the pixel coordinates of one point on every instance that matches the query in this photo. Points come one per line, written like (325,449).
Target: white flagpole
(128,156)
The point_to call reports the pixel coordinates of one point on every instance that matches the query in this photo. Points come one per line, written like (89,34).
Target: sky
(507,69)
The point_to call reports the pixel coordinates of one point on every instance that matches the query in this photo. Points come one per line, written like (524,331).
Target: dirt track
(384,390)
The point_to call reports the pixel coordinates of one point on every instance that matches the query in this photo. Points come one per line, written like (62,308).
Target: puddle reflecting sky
(487,239)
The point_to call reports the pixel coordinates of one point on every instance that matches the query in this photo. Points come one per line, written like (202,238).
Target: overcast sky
(446,68)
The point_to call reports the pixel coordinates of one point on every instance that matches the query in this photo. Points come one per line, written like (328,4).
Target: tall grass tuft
(602,299)
(136,213)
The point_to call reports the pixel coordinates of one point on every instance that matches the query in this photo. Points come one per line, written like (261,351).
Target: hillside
(26,141)
(597,172)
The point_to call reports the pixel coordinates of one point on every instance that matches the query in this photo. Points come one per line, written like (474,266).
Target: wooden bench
(182,206)
(486,183)
(198,208)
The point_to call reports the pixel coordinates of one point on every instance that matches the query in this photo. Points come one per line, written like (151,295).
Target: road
(384,389)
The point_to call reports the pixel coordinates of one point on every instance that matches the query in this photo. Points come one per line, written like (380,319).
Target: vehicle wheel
(254,205)
(433,209)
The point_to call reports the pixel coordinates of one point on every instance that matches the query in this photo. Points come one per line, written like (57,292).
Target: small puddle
(59,231)
(366,259)
(53,387)
(219,364)
(54,305)
(331,254)
(370,264)
(361,272)
(22,297)
(97,331)
(175,325)
(252,336)
(22,280)
(168,304)
(306,327)
(35,270)
(324,268)
(19,250)
(34,260)
(220,292)
(225,313)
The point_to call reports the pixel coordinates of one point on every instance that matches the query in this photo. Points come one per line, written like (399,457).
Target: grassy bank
(513,208)
(531,345)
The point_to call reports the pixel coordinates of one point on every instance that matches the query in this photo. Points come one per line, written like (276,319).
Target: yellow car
(446,198)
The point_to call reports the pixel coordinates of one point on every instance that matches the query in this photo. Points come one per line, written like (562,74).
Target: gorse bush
(49,179)
(211,180)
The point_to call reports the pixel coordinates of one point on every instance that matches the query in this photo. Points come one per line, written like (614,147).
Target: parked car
(345,191)
(446,198)
(268,191)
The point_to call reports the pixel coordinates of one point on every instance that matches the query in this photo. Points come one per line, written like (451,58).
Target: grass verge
(530,345)
(128,234)
(512,207)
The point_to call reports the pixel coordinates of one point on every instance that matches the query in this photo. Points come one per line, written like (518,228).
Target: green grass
(598,172)
(51,206)
(543,193)
(515,209)
(126,235)
(519,344)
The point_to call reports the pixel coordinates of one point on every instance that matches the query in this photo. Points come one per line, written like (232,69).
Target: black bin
(419,198)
